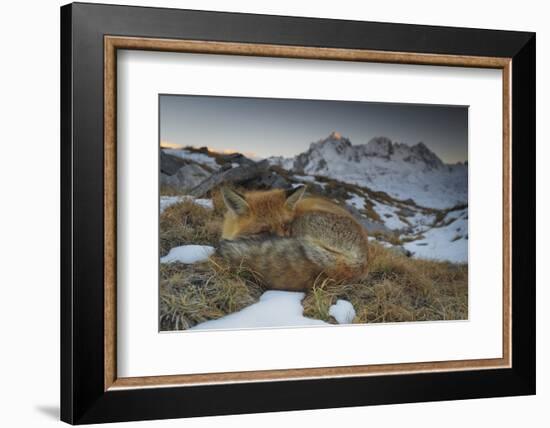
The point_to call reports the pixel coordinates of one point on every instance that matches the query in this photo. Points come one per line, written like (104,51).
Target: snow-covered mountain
(403,171)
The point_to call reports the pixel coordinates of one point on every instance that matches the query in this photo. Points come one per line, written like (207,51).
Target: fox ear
(234,201)
(293,196)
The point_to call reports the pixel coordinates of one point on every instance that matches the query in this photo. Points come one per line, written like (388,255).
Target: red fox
(290,240)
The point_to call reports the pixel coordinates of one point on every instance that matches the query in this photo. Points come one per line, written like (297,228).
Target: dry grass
(191,294)
(391,237)
(189,223)
(440,215)
(166,190)
(370,212)
(396,289)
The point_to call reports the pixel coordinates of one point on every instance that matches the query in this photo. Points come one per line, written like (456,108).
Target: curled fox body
(290,240)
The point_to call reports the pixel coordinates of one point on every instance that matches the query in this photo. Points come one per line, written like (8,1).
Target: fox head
(267,212)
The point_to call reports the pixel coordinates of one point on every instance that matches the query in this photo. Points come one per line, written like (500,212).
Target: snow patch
(195,157)
(285,163)
(274,309)
(205,203)
(167,201)
(342,311)
(449,242)
(356,201)
(307,178)
(389,216)
(188,254)
(421,221)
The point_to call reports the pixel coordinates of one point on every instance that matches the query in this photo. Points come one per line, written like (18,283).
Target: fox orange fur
(290,240)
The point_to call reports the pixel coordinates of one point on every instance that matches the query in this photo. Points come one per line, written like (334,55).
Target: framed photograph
(265,213)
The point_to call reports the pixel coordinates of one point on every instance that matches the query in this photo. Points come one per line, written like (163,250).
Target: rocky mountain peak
(337,148)
(335,135)
(335,142)
(334,138)
(421,153)
(379,146)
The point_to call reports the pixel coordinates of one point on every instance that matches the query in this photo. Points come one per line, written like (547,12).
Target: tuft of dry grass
(396,289)
(166,190)
(191,294)
(188,223)
(392,237)
(370,212)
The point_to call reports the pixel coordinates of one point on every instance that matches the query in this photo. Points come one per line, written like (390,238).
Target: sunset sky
(286,127)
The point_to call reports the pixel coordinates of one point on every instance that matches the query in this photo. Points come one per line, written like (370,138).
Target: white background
(29,230)
(144,352)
